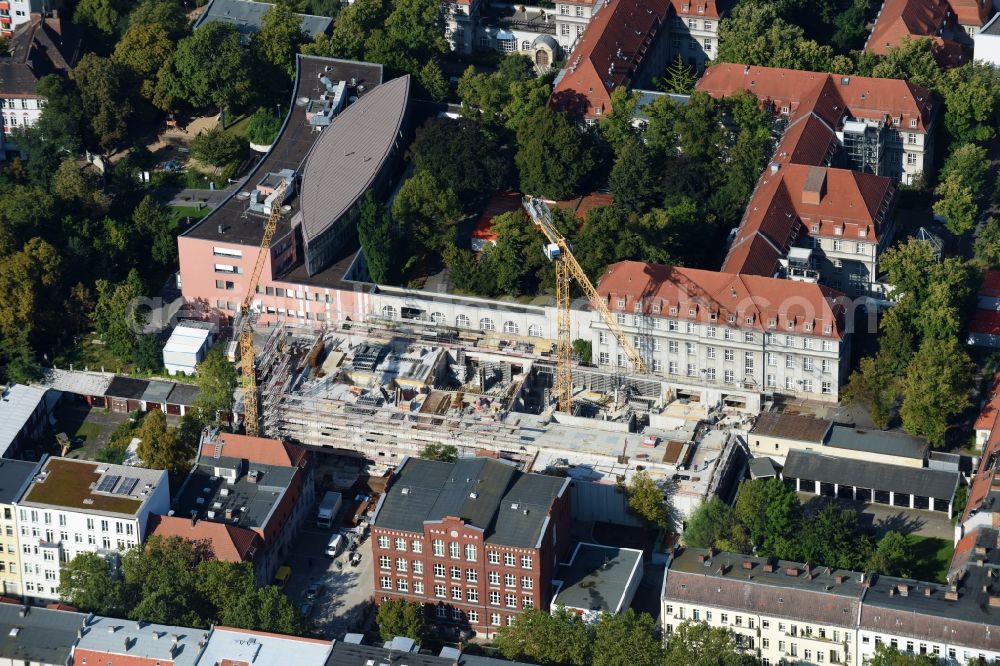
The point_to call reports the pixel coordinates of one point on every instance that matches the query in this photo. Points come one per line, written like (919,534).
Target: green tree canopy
(886,655)
(754,34)
(957,204)
(141,51)
(770,512)
(646,500)
(553,158)
(103,17)
(627,639)
(560,637)
(441,452)
(105,99)
(936,388)
(217,381)
(378,242)
(398,617)
(634,180)
(217,147)
(212,68)
(709,525)
(875,384)
(987,246)
(264,127)
(892,555)
(117,319)
(161,447)
(700,644)
(911,60)
(426,212)
(278,39)
(971,94)
(971,164)
(168,14)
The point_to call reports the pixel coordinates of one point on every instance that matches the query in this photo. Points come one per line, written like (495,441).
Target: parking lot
(344,604)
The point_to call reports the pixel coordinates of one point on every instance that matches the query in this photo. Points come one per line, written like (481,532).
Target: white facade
(695,38)
(20,111)
(987,43)
(186,348)
(949,654)
(18,13)
(50,535)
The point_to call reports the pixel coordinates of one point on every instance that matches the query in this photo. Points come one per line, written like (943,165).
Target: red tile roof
(708,9)
(255,449)
(991,284)
(499,203)
(807,140)
(772,304)
(608,54)
(832,97)
(985,322)
(986,474)
(812,199)
(229,543)
(972,12)
(582,205)
(988,416)
(906,18)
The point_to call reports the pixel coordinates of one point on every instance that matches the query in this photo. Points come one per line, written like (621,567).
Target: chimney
(815,186)
(22,611)
(792,571)
(747,564)
(980,550)
(838,579)
(702,557)
(903,589)
(994,601)
(126,643)
(951,595)
(768,567)
(711,551)
(928,591)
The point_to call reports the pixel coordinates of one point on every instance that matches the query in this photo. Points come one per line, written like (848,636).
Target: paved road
(344,603)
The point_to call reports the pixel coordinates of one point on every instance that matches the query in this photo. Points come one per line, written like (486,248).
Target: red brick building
(476,541)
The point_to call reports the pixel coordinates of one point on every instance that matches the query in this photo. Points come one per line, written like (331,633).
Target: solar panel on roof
(127,485)
(108,483)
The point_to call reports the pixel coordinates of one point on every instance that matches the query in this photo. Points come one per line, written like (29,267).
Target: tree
(912,60)
(216,378)
(87,583)
(263,127)
(875,384)
(152,224)
(971,94)
(148,353)
(709,525)
(891,556)
(515,263)
(584,349)
(278,39)
(426,212)
(105,99)
(142,50)
(461,157)
(17,359)
(616,126)
(645,499)
(29,279)
(398,617)
(908,269)
(560,637)
(60,128)
(103,16)
(168,14)
(217,146)
(442,452)
(754,34)
(79,188)
(211,67)
(832,537)
(971,164)
(957,204)
(525,97)
(553,158)
(416,29)
(770,512)
(378,242)
(936,388)
(161,447)
(634,180)
(117,319)
(679,78)
(628,639)
(699,644)
(886,655)
(987,246)
(433,81)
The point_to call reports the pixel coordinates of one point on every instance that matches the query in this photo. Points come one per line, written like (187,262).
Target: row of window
(655,323)
(693,45)
(456,573)
(564,10)
(45,518)
(463,321)
(18,103)
(924,649)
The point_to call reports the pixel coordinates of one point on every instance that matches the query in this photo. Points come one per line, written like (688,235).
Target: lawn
(91,355)
(179,213)
(931,557)
(239,128)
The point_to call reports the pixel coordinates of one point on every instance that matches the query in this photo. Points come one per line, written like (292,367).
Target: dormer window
(790,324)
(808,327)
(732,319)
(895,122)
(621,302)
(913,122)
(656,309)
(838,231)
(638,306)
(750,320)
(712,316)
(828,329)
(771,323)
(862,232)
(784,110)
(692,312)
(673,310)
(815,228)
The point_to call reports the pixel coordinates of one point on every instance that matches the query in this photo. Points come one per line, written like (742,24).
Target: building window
(495,619)
(730,377)
(400,544)
(579,11)
(401,564)
(509,560)
(456,614)
(416,546)
(470,552)
(418,567)
(509,580)
(534,331)
(462,321)
(510,600)
(383,541)
(402,585)
(710,351)
(438,545)
(439,591)
(456,573)
(807,385)
(473,617)
(418,587)
(486,324)
(729,354)
(564,29)
(439,571)
(441,611)
(525,45)
(494,598)
(384,562)
(385,582)
(471,594)
(525,561)
(710,374)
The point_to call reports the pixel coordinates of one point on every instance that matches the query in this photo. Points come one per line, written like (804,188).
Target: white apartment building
(694,32)
(460,20)
(794,613)
(75,506)
(14,13)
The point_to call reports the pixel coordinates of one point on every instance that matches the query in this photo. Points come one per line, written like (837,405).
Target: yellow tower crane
(243,326)
(567,269)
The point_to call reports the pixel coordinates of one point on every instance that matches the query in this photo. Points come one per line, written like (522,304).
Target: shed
(186,348)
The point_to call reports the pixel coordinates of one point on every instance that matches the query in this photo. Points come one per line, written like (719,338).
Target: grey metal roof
(992,27)
(921,481)
(597,577)
(127,387)
(247,17)
(352,654)
(157,391)
(762,468)
(42,636)
(350,153)
(182,394)
(150,642)
(510,506)
(252,503)
(14,478)
(17,405)
(877,441)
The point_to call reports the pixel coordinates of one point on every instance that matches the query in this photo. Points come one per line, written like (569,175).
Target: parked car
(306,609)
(355,559)
(314,590)
(281,578)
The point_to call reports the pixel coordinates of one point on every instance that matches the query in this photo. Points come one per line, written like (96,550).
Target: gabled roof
(799,427)
(608,55)
(708,9)
(971,12)
(38,47)
(906,18)
(29,634)
(254,449)
(722,298)
(229,543)
(832,96)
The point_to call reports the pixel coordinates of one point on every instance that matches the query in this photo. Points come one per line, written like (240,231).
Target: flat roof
(17,405)
(877,441)
(597,577)
(14,477)
(289,151)
(80,382)
(251,503)
(247,16)
(127,387)
(791,426)
(159,642)
(93,487)
(933,483)
(157,391)
(185,339)
(40,636)
(228,646)
(182,394)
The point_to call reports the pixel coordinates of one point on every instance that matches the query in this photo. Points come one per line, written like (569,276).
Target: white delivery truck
(328,509)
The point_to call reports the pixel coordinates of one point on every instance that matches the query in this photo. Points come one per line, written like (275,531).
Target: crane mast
(243,326)
(568,269)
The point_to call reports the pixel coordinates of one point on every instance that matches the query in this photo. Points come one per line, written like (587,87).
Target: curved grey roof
(350,153)
(547,40)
